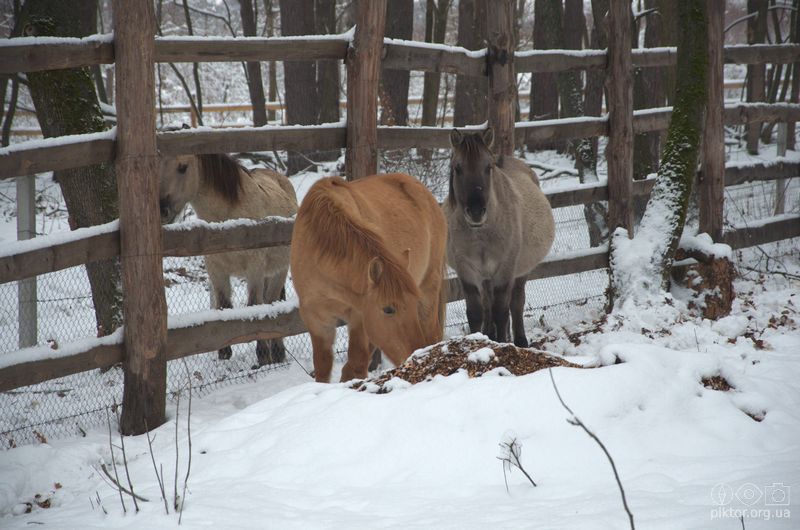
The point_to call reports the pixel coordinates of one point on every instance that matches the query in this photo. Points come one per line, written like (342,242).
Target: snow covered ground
(285,452)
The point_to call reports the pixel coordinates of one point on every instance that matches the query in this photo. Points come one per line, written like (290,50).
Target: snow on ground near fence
(288,453)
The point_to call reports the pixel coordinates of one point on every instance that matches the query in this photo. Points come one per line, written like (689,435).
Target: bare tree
(66,103)
(327,73)
(544,93)
(595,79)
(435,27)
(394,83)
(756,33)
(255,84)
(659,233)
(648,92)
(470,100)
(299,77)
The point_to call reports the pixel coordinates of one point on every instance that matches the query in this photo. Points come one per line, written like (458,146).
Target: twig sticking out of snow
(120,487)
(125,463)
(511,453)
(574,420)
(189,437)
(159,478)
(114,463)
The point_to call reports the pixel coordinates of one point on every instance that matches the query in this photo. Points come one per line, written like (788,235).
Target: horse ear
(488,137)
(406,261)
(456,138)
(375,271)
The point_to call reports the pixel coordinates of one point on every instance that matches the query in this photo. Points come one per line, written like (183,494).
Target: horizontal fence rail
(68,152)
(191,335)
(86,245)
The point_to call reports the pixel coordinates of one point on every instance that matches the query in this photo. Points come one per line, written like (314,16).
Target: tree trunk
(575,24)
(668,13)
(648,92)
(571,95)
(300,77)
(595,78)
(435,27)
(640,267)
(254,82)
(470,101)
(198,87)
(394,83)
(327,74)
(273,68)
(794,94)
(66,103)
(756,33)
(544,93)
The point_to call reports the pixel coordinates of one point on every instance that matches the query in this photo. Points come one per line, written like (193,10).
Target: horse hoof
(225,353)
(521,342)
(271,352)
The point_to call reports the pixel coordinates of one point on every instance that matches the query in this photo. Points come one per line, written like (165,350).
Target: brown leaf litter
(448,357)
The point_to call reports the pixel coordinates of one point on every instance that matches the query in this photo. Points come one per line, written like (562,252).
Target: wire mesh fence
(70,405)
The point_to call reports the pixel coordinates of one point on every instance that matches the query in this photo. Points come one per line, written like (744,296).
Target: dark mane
(222,173)
(341,236)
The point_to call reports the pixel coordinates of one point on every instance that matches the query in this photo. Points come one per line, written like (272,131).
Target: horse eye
(487,169)
(389,310)
(182,168)
(458,169)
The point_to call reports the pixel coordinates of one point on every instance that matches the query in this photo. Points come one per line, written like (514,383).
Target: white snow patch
(482,355)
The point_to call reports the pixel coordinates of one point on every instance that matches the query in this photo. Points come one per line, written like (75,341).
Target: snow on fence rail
(78,150)
(211,330)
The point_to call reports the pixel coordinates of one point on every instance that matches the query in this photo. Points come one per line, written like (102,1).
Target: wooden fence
(147,341)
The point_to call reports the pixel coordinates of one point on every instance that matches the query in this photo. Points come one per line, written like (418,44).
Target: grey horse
(500,227)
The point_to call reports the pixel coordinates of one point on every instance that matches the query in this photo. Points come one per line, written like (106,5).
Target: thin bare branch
(155,468)
(125,463)
(120,487)
(114,463)
(576,421)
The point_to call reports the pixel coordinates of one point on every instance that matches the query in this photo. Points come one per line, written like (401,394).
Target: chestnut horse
(219,188)
(370,253)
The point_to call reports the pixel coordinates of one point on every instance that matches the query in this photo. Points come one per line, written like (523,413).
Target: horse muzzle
(475,217)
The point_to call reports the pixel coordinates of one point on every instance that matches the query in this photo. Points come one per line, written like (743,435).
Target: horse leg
(500,308)
(358,352)
(517,308)
(272,351)
(220,299)
(322,335)
(375,359)
(474,307)
(489,328)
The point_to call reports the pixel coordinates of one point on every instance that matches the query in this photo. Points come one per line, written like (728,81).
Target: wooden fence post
(502,78)
(26,289)
(712,172)
(144,306)
(619,91)
(363,68)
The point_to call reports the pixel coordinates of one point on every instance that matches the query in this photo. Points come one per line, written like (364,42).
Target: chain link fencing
(70,405)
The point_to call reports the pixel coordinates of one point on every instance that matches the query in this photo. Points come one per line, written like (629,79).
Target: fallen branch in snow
(121,487)
(189,437)
(512,451)
(577,422)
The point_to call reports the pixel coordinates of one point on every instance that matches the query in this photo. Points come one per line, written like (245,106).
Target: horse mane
(341,236)
(223,174)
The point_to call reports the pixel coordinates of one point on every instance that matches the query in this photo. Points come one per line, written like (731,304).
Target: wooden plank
(774,170)
(34,372)
(26,55)
(533,132)
(144,305)
(223,49)
(539,61)
(502,79)
(231,140)
(619,95)
(21,161)
(215,238)
(402,56)
(759,112)
(711,178)
(761,53)
(783,227)
(584,194)
(649,120)
(363,71)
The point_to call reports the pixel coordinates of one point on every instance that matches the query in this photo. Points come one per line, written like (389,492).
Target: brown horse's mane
(222,173)
(342,236)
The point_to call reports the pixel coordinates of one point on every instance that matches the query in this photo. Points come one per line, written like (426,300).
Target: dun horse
(370,253)
(500,227)
(218,188)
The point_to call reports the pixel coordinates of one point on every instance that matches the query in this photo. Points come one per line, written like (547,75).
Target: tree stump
(711,278)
